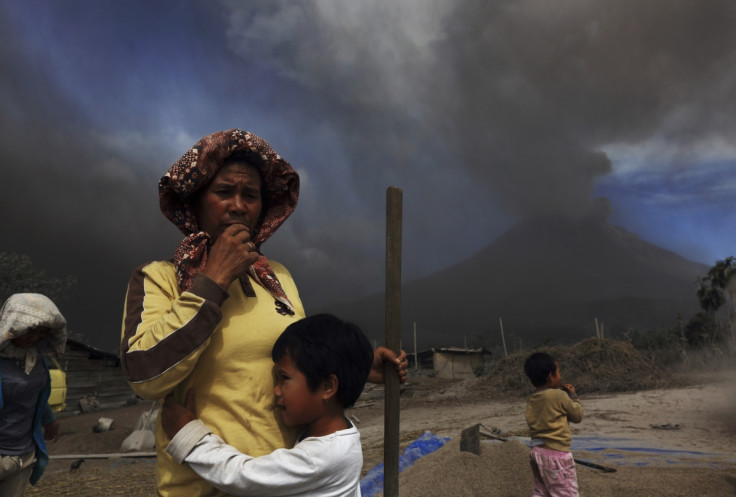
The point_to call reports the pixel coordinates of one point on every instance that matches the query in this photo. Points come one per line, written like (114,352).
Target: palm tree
(710,296)
(719,288)
(722,271)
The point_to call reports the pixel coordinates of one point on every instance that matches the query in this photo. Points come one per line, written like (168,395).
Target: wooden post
(503,339)
(470,440)
(416,354)
(597,330)
(394,197)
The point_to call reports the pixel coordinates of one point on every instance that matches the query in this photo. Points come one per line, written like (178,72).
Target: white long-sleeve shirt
(327,466)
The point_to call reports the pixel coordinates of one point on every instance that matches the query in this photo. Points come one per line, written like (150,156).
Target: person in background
(207,319)
(31,327)
(322,364)
(548,413)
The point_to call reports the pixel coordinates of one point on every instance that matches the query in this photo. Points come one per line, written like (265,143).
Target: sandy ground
(669,442)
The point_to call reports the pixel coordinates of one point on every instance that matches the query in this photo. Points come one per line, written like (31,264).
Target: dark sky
(484,113)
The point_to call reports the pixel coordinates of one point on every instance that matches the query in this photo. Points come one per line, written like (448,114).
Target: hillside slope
(549,279)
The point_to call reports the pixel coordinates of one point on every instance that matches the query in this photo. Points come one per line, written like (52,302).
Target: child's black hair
(538,367)
(322,345)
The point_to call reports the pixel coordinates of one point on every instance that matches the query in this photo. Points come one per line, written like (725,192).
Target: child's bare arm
(175,416)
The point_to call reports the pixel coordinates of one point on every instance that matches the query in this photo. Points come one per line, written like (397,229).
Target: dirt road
(689,433)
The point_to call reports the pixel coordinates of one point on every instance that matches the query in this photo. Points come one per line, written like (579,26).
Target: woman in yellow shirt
(208,318)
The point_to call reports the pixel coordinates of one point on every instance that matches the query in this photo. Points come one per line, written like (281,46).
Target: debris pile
(593,366)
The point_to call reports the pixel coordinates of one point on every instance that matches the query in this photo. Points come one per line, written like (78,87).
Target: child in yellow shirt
(548,413)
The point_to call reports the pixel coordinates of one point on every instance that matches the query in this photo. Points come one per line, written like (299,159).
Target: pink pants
(554,473)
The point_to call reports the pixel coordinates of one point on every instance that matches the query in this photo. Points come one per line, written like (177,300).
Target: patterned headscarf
(23,312)
(195,169)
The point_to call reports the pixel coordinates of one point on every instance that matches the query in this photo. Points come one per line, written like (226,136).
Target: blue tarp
(631,452)
(428,442)
(612,449)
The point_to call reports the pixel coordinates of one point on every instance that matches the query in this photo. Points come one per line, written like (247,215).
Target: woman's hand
(175,416)
(52,431)
(383,355)
(232,253)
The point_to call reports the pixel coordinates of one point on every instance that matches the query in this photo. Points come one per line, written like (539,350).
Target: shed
(458,363)
(93,373)
(424,358)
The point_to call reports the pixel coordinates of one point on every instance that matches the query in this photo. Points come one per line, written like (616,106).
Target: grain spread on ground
(624,395)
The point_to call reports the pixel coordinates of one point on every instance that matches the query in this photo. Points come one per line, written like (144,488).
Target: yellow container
(57,399)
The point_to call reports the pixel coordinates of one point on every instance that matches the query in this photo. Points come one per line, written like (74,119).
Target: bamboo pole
(503,339)
(416,354)
(394,197)
(113,455)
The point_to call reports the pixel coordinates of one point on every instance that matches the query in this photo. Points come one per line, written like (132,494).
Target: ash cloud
(485,113)
(521,96)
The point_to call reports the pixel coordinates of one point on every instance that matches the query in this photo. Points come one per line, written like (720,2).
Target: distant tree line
(711,332)
(708,335)
(19,275)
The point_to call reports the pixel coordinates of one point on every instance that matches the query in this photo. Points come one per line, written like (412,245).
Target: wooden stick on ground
(605,469)
(114,455)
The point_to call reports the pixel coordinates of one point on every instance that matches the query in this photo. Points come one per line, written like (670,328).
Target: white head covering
(23,312)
